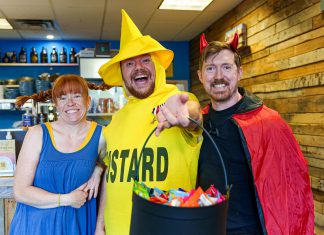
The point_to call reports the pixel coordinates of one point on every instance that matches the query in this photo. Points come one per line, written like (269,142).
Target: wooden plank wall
(284,65)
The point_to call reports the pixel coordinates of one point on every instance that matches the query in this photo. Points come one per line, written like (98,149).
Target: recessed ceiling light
(50,36)
(4,24)
(189,5)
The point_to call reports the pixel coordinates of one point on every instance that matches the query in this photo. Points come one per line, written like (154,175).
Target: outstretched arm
(175,112)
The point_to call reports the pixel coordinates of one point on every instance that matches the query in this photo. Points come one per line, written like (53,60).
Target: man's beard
(140,93)
(222,96)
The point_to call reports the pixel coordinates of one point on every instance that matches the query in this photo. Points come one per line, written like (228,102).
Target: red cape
(280,172)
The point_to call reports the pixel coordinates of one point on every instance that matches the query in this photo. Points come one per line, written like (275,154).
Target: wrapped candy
(179,197)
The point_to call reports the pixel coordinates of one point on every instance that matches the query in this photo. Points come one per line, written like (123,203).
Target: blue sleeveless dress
(60,173)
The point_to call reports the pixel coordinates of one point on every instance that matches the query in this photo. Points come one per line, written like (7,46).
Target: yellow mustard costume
(169,161)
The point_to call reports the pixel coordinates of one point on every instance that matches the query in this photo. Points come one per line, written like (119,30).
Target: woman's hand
(93,183)
(76,198)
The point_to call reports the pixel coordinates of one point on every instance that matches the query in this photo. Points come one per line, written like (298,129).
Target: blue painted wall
(8,117)
(180,64)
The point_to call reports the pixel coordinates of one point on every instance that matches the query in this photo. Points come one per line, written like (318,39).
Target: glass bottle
(54,57)
(63,56)
(33,56)
(51,116)
(14,57)
(42,117)
(72,58)
(28,118)
(6,58)
(44,57)
(22,55)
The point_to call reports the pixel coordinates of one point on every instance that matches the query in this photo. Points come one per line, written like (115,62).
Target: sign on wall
(241,31)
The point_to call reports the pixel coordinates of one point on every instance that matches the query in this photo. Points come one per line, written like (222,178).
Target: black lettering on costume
(133,166)
(113,166)
(162,155)
(123,155)
(118,160)
(108,165)
(148,157)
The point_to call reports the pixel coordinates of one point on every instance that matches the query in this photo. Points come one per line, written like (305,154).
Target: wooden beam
(311,80)
(308,129)
(316,163)
(319,221)
(310,140)
(319,173)
(309,91)
(311,151)
(319,207)
(302,71)
(310,104)
(317,184)
(304,118)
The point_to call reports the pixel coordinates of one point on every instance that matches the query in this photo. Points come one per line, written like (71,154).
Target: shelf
(37,64)
(11,86)
(12,129)
(9,105)
(7,100)
(14,101)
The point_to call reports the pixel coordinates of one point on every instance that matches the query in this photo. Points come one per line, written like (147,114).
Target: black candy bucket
(149,218)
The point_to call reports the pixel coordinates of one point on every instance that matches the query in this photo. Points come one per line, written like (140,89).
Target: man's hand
(175,112)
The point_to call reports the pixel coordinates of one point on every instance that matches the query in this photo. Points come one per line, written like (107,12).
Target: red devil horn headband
(203,42)
(234,42)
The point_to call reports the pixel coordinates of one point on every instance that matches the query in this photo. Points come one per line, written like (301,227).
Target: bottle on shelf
(72,58)
(43,114)
(33,56)
(35,119)
(6,58)
(22,55)
(63,56)
(43,56)
(14,57)
(51,116)
(28,118)
(54,57)
(41,118)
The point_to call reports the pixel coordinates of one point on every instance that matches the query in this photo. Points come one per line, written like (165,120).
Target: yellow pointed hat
(132,43)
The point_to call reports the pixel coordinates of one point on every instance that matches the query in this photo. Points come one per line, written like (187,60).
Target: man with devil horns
(271,192)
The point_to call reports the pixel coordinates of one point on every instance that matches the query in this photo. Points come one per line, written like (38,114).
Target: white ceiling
(101,19)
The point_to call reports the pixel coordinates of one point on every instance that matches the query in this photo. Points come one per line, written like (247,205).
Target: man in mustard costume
(171,156)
